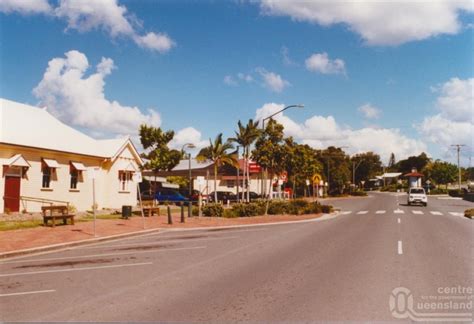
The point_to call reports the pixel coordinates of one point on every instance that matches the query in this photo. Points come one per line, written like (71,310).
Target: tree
(419,162)
(336,168)
(217,152)
(442,172)
(300,163)
(367,165)
(158,156)
(392,161)
(246,136)
(269,152)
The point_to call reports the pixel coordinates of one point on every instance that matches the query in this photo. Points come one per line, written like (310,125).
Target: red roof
(414,174)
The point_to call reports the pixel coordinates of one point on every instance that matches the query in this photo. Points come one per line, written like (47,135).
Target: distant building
(414,178)
(43,159)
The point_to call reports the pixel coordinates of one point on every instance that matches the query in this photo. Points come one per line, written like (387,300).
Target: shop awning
(51,163)
(79,166)
(16,160)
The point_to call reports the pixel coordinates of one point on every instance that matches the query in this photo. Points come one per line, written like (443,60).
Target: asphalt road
(344,268)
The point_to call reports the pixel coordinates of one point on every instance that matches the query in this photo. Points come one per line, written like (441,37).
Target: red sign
(254,167)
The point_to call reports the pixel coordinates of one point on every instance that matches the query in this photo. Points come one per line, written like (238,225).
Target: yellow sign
(316,179)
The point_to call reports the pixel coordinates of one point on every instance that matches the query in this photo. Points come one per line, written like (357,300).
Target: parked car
(253,196)
(417,196)
(223,196)
(171,195)
(194,196)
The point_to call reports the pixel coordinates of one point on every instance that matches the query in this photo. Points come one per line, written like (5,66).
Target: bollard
(170,220)
(190,209)
(182,213)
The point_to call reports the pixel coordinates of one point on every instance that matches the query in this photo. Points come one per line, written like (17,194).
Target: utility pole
(458,149)
(354,169)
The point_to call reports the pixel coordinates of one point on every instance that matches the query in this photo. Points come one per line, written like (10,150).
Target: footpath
(43,238)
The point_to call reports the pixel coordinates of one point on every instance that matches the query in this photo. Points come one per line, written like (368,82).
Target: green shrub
(438,191)
(278,207)
(229,213)
(456,193)
(469,213)
(359,193)
(213,210)
(195,211)
(247,210)
(326,209)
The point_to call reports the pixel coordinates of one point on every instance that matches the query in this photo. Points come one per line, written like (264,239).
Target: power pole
(458,149)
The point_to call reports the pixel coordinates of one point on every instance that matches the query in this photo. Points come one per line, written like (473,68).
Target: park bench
(149,208)
(56,212)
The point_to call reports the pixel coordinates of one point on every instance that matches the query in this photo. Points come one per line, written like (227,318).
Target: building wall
(106,183)
(255,185)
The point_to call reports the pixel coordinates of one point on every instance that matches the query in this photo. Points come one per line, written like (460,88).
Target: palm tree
(217,153)
(245,136)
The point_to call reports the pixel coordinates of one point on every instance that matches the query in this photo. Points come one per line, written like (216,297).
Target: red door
(12,193)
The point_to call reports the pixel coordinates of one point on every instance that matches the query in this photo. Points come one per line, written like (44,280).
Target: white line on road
(347,212)
(75,269)
(400,248)
(398,211)
(27,293)
(399,221)
(417,212)
(362,212)
(380,212)
(436,213)
(449,198)
(102,255)
(456,214)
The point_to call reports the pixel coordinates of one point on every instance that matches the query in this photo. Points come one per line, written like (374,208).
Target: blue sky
(372,77)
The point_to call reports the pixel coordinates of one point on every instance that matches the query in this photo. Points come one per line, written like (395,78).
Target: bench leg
(64,221)
(54,221)
(72,220)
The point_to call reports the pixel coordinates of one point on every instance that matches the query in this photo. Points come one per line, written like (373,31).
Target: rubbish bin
(126,211)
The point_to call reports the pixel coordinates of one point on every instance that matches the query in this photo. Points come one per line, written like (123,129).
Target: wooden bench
(56,212)
(150,208)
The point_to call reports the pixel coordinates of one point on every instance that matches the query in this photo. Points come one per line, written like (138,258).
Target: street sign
(201,181)
(92,173)
(307,182)
(316,179)
(284,176)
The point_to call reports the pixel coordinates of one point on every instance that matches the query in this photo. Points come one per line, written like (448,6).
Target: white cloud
(25,7)
(272,81)
(321,132)
(88,15)
(188,135)
(378,22)
(160,42)
(369,111)
(245,77)
(79,100)
(454,123)
(229,80)
(320,62)
(285,53)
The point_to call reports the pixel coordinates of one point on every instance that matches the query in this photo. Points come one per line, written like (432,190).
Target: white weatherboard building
(43,159)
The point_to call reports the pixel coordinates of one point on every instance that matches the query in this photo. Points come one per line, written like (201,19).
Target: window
(74,177)
(46,176)
(125,178)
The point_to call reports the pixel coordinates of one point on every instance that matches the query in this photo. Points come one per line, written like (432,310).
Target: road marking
(398,211)
(456,214)
(102,255)
(436,213)
(398,220)
(400,248)
(27,293)
(417,212)
(362,212)
(380,212)
(75,269)
(449,198)
(347,212)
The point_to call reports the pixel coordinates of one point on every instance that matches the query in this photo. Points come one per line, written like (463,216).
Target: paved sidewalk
(38,237)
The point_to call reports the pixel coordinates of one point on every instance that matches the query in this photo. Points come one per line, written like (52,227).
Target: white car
(417,196)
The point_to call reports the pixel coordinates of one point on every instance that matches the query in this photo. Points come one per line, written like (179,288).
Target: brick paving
(43,236)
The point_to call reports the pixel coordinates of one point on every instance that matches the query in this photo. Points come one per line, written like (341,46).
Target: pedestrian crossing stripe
(347,212)
(398,211)
(380,212)
(436,213)
(362,212)
(456,214)
(417,212)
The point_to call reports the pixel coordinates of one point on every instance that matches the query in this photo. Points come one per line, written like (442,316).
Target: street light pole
(458,148)
(189,145)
